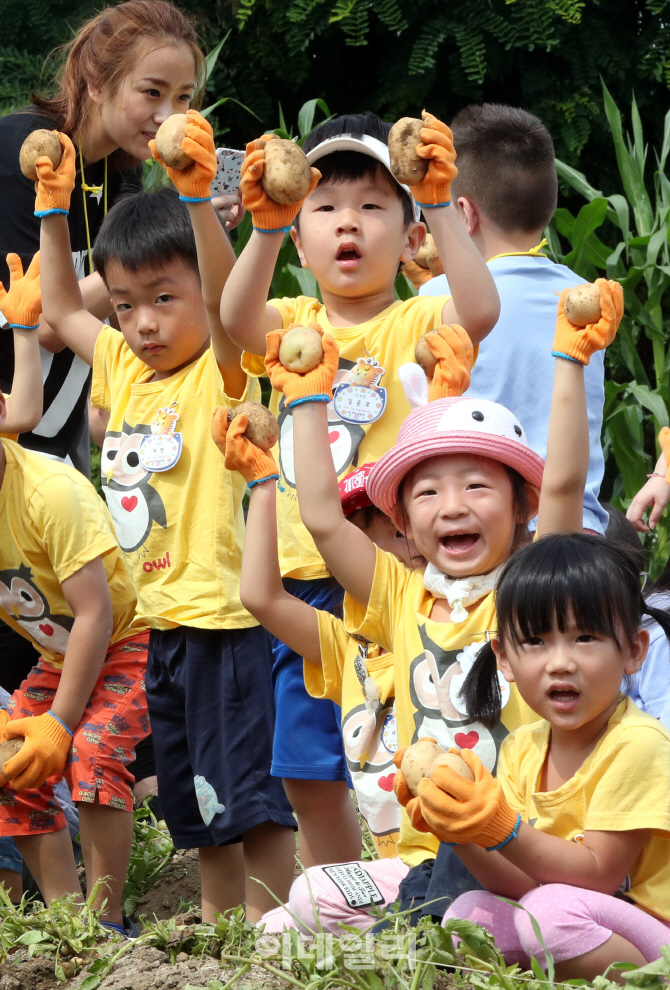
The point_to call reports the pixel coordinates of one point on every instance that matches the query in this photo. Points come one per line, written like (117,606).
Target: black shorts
(211,708)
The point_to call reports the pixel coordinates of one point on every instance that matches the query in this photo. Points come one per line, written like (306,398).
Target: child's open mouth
(458,543)
(348,256)
(563,699)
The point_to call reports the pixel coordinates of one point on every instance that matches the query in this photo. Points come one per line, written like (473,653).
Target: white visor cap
(364,145)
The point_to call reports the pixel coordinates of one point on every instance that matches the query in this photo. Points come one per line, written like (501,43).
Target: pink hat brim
(389,471)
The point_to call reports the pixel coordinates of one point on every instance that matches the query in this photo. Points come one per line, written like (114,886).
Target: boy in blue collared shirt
(506,193)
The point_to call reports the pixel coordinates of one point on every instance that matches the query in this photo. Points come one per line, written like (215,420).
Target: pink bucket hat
(453,426)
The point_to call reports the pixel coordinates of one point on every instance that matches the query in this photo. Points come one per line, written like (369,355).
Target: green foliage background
(396,56)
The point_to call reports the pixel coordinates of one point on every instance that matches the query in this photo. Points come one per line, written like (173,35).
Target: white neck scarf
(459,592)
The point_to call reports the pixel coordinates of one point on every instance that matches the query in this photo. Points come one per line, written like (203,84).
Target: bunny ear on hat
(414,384)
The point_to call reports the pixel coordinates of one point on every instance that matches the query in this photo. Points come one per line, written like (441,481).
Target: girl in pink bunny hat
(463,484)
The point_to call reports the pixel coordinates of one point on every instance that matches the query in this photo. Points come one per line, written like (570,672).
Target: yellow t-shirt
(624,784)
(176,509)
(367,410)
(368,723)
(52,523)
(427,673)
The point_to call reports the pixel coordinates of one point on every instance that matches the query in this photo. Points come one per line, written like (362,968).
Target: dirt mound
(177,885)
(21,973)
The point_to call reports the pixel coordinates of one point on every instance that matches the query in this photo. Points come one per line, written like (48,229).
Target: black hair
(351,166)
(577,576)
(147,230)
(506,166)
(368,514)
(621,530)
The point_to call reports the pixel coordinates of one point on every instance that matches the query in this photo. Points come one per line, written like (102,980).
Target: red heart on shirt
(386,783)
(333,436)
(129,502)
(47,629)
(466,740)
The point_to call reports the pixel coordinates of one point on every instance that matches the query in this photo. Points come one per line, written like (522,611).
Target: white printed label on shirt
(355,884)
(360,399)
(161,449)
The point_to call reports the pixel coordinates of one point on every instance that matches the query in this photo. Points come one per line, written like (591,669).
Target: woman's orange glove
(54,185)
(313,386)
(267,216)
(579,343)
(455,356)
(43,754)
(415,274)
(193,183)
(254,464)
(437,147)
(459,810)
(22,305)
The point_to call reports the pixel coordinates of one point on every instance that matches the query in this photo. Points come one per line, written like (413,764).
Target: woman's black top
(63,429)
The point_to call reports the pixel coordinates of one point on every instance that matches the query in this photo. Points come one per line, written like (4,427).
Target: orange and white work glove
(457,810)
(437,148)
(664,444)
(267,216)
(193,183)
(313,386)
(44,752)
(54,185)
(22,305)
(4,719)
(255,465)
(415,274)
(455,356)
(579,343)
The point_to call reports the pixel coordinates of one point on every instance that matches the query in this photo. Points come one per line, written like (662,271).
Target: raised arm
(62,302)
(474,304)
(21,307)
(245,314)
(562,495)
(349,554)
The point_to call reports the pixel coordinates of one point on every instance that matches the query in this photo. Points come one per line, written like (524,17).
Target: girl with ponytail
(576,827)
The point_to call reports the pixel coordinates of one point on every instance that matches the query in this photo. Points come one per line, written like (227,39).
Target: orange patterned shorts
(114,721)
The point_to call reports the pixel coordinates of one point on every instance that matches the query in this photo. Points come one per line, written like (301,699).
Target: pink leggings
(572,921)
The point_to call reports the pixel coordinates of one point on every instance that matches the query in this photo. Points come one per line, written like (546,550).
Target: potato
(427,255)
(404,136)
(8,749)
(453,760)
(287,175)
(417,761)
(582,304)
(38,143)
(301,350)
(262,428)
(424,356)
(168,142)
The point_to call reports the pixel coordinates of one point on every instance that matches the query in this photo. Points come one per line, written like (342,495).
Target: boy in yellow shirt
(352,231)
(177,515)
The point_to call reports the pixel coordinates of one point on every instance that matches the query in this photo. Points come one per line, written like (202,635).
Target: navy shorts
(212,718)
(308,738)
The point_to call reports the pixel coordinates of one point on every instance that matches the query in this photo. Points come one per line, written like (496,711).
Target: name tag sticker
(355,884)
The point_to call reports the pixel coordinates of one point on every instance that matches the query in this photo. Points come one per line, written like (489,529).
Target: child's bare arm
(349,554)
(655,495)
(25,404)
(494,872)
(291,620)
(62,302)
(474,304)
(566,467)
(245,314)
(215,262)
(21,308)
(244,311)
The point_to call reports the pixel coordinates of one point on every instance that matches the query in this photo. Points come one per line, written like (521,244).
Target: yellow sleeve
(70,519)
(106,354)
(633,790)
(507,774)
(324,680)
(389,589)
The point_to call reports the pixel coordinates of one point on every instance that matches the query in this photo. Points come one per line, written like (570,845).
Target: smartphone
(226,182)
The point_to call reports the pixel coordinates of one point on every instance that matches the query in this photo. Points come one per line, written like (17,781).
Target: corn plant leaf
(577,180)
(651,401)
(306,115)
(631,175)
(210,60)
(589,218)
